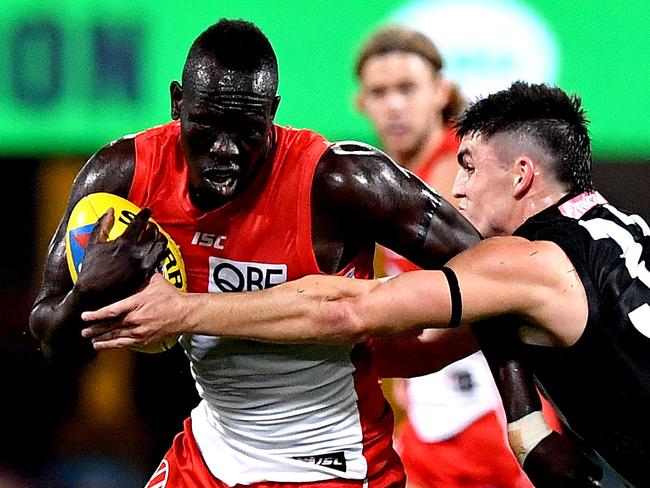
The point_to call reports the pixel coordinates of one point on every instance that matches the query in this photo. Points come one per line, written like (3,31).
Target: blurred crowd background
(79,73)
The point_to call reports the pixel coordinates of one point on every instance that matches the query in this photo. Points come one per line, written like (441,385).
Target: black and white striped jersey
(601,384)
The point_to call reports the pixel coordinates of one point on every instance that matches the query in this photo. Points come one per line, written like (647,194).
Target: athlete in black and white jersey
(602,381)
(560,258)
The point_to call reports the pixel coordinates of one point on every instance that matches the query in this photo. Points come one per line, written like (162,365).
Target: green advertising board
(79,73)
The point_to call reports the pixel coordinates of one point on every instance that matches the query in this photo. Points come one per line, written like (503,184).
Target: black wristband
(454,294)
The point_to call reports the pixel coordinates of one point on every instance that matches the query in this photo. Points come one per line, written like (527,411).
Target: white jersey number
(630,251)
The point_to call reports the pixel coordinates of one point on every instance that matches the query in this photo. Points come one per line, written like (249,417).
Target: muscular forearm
(325,309)
(56,323)
(313,309)
(499,342)
(316,308)
(518,391)
(521,402)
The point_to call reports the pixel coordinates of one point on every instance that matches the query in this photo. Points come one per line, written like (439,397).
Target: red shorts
(477,457)
(183,467)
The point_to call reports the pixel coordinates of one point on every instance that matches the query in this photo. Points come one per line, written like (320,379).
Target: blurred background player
(454,416)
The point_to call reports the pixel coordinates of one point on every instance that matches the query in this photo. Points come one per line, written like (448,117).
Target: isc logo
(227,275)
(208,240)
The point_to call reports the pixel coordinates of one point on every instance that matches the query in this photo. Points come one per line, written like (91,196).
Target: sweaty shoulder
(356,172)
(366,193)
(109,170)
(353,155)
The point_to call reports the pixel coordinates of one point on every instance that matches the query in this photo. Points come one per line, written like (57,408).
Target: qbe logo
(227,275)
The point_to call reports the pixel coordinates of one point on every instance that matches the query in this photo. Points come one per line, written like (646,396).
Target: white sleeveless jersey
(275,412)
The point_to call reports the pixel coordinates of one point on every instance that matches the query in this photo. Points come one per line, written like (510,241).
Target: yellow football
(82,221)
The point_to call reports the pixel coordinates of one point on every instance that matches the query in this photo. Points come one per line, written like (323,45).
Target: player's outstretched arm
(504,276)
(310,309)
(317,308)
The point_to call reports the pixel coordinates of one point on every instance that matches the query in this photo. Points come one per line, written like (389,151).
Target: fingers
(98,330)
(103,227)
(110,335)
(109,312)
(149,239)
(115,339)
(120,343)
(150,233)
(156,253)
(138,225)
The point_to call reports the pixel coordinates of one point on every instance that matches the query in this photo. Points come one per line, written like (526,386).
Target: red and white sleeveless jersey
(287,413)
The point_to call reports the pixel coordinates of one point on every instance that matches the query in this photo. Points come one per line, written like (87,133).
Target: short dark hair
(235,44)
(554,120)
(400,39)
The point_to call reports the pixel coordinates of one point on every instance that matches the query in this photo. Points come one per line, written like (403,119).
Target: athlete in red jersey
(454,431)
(251,205)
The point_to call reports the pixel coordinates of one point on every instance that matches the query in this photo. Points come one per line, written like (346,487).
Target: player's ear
(443,91)
(360,102)
(176,93)
(524,174)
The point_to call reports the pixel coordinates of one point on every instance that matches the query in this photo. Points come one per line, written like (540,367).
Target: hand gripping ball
(82,221)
